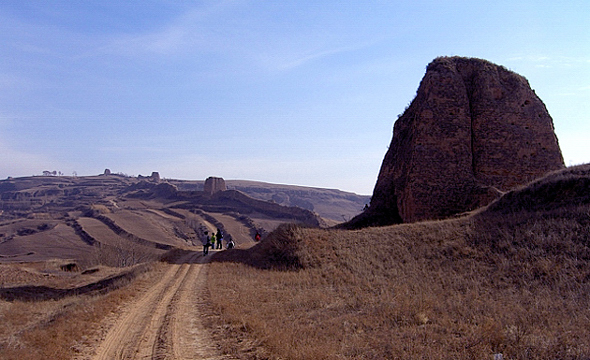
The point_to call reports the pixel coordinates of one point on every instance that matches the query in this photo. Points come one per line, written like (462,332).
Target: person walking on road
(206,243)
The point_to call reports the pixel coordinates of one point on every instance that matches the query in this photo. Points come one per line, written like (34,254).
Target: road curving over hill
(166,322)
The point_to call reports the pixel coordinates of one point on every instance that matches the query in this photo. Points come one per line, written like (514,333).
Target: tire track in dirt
(184,337)
(166,322)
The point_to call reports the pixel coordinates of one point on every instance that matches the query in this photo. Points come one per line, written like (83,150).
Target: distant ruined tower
(213,185)
(155,176)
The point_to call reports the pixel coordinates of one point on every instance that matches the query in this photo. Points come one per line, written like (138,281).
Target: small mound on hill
(283,249)
(539,234)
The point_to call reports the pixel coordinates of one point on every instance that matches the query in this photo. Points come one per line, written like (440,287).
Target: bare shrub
(121,253)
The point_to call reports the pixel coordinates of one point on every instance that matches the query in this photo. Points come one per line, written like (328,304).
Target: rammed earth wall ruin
(473,130)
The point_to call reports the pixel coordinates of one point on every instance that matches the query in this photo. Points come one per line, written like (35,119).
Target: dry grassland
(516,284)
(61,328)
(512,279)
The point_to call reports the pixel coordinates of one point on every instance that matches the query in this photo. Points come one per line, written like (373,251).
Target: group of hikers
(215,241)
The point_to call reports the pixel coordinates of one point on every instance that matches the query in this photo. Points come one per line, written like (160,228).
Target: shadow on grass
(43,293)
(250,257)
(257,257)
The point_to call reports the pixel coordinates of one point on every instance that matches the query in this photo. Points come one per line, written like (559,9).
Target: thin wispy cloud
(170,40)
(224,31)
(197,29)
(293,58)
(253,89)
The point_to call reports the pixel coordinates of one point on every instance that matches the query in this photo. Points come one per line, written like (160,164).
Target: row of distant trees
(56,173)
(75,173)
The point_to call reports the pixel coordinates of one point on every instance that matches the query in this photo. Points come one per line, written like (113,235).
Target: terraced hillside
(113,275)
(88,219)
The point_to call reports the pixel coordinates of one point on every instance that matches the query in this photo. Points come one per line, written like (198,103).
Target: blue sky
(293,92)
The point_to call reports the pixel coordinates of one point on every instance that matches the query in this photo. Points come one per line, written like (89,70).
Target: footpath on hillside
(167,321)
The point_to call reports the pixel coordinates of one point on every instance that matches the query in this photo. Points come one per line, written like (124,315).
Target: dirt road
(166,322)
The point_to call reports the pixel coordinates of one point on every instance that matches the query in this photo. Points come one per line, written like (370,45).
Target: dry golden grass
(61,329)
(515,282)
(512,279)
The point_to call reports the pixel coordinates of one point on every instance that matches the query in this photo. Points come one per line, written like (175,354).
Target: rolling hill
(46,217)
(512,278)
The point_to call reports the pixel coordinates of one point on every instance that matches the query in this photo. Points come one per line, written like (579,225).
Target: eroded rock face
(473,130)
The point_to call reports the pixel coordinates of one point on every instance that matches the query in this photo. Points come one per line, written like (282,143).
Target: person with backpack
(230,242)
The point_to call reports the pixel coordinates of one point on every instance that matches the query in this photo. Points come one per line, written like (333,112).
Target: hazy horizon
(293,92)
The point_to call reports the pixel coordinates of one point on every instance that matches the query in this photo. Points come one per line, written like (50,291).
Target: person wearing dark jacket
(219,237)
(230,242)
